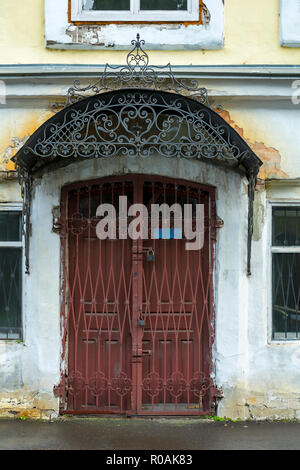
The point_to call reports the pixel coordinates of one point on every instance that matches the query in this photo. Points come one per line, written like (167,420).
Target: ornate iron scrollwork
(137,73)
(136,123)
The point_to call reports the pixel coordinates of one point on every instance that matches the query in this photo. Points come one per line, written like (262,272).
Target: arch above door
(139,122)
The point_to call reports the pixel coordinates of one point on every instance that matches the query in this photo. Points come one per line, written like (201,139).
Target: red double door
(137,314)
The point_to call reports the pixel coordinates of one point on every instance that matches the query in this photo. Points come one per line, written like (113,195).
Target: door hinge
(217,392)
(219,222)
(56,220)
(57,391)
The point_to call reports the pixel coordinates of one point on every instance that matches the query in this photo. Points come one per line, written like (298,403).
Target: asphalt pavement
(75,433)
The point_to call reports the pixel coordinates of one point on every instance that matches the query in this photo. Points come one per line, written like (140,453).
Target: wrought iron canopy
(136,122)
(136,110)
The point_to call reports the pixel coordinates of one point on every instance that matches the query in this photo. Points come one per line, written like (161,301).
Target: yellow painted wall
(251,37)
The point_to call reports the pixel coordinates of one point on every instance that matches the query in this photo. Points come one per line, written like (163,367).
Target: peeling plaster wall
(272,131)
(17,125)
(261,112)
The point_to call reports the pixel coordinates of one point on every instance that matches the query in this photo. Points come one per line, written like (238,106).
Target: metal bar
(251,188)
(137,301)
(287,249)
(171,413)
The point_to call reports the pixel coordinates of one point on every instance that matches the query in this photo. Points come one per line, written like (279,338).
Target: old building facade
(147,327)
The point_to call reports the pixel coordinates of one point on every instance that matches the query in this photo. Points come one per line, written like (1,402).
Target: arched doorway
(138,314)
(142,124)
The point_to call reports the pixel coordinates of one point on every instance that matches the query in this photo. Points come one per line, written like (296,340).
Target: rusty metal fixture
(25,181)
(136,110)
(137,336)
(252,178)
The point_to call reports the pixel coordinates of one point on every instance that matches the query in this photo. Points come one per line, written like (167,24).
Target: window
(10,274)
(135,10)
(290,23)
(286,272)
(87,24)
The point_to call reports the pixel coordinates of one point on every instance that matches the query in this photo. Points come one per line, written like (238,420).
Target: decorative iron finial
(137,73)
(137,57)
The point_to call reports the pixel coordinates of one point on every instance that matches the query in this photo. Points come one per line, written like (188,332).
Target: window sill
(282,342)
(11,334)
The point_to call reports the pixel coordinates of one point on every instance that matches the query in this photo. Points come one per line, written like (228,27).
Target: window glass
(10,292)
(10,226)
(106,5)
(163,5)
(286,226)
(110,11)
(286,295)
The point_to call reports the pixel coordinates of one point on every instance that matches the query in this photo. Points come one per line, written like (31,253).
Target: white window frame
(16,207)
(60,33)
(278,249)
(290,23)
(135,14)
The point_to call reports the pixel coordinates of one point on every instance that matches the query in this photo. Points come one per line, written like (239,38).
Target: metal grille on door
(137,317)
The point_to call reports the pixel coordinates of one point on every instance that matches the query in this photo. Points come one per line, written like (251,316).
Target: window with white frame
(135,10)
(87,24)
(11,254)
(286,272)
(290,23)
